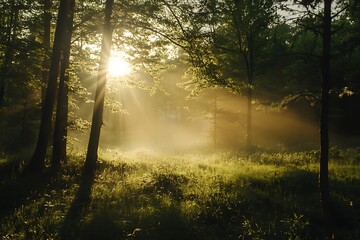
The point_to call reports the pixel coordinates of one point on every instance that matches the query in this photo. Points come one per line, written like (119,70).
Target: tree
(38,159)
(345,42)
(10,36)
(249,21)
(60,129)
(319,24)
(91,155)
(19,34)
(324,121)
(223,41)
(46,47)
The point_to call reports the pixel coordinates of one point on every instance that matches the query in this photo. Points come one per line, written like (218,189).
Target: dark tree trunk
(249,120)
(46,48)
(91,156)
(37,162)
(324,136)
(215,119)
(2,85)
(9,49)
(60,129)
(23,127)
(250,78)
(122,122)
(246,54)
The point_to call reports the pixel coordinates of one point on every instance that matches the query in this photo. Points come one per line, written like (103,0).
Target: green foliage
(20,49)
(251,231)
(163,196)
(297,227)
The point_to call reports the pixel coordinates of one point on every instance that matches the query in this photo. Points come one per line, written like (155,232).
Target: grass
(183,196)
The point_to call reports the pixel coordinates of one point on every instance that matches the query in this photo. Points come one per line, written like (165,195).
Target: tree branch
(296,96)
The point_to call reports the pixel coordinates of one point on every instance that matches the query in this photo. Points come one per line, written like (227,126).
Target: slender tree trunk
(122,122)
(46,48)
(324,136)
(215,119)
(9,49)
(91,156)
(37,161)
(3,75)
(23,127)
(250,78)
(60,129)
(249,120)
(2,83)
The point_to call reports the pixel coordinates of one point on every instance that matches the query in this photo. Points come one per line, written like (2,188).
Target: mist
(170,120)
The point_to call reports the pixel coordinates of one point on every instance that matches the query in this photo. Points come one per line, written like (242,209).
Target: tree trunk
(9,49)
(91,156)
(23,127)
(249,120)
(60,129)
(46,48)
(250,78)
(37,161)
(324,136)
(215,119)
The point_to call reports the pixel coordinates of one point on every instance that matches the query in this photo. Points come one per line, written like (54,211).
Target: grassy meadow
(146,195)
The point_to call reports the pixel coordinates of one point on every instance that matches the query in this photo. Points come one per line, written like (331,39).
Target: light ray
(118,67)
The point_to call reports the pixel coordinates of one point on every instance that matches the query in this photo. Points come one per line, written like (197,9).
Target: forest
(180,119)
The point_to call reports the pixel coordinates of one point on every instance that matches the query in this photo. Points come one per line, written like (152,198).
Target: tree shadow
(146,216)
(70,226)
(17,187)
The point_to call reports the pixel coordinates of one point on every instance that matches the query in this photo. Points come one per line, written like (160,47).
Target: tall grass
(146,195)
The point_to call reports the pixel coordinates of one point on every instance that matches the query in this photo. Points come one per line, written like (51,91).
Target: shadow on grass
(70,226)
(297,191)
(159,207)
(146,210)
(163,223)
(17,187)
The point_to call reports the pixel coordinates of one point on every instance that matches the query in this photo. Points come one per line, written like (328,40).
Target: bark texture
(97,118)
(324,120)
(46,48)
(37,161)
(60,129)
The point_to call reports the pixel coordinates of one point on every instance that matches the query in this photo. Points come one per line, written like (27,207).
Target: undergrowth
(183,196)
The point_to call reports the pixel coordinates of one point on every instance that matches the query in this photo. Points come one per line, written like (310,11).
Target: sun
(118,67)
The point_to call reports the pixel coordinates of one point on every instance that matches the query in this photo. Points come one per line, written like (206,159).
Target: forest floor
(148,195)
